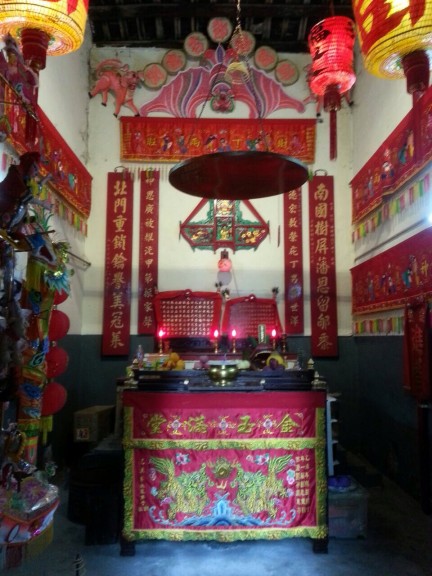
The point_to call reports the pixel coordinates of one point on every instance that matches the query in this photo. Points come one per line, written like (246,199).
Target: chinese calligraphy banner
(148,251)
(225,467)
(293,250)
(385,281)
(173,139)
(118,264)
(322,267)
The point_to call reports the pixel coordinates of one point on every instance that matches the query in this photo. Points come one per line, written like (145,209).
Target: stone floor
(398,542)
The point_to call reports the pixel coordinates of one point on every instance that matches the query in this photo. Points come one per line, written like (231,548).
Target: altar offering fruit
(274,359)
(173,362)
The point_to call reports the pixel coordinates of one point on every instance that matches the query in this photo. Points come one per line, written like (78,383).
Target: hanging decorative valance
(385,281)
(174,139)
(69,183)
(394,162)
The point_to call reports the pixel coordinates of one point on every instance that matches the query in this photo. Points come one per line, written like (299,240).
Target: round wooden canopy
(239,175)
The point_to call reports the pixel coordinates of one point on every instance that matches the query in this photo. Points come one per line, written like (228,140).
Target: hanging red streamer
(148,251)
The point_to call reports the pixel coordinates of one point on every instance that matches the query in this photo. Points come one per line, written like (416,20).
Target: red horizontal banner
(174,139)
(387,280)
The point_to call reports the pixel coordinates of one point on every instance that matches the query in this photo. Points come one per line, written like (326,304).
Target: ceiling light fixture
(239,175)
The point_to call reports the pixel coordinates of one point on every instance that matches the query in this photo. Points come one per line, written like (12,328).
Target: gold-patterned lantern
(44,27)
(396,39)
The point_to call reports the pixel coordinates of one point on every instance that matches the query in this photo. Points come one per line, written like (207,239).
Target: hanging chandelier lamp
(331,44)
(239,175)
(395,39)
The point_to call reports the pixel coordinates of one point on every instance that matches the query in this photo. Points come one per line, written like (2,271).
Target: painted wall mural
(186,80)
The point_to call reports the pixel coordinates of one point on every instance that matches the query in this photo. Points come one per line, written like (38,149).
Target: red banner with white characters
(148,251)
(231,466)
(173,139)
(387,280)
(118,264)
(322,267)
(293,250)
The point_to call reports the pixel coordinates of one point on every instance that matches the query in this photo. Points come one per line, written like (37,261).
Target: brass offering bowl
(222,373)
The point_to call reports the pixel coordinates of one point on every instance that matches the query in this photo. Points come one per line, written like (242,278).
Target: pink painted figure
(116,77)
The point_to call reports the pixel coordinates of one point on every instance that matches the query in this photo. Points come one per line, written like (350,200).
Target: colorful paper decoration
(394,38)
(224,226)
(331,44)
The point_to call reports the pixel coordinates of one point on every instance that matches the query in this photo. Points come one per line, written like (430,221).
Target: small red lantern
(331,44)
(60,297)
(59,325)
(57,361)
(54,398)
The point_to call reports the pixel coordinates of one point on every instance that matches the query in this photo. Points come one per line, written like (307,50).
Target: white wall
(378,107)
(180,267)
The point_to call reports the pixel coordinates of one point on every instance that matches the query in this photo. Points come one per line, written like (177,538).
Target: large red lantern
(59,325)
(394,38)
(331,44)
(56,360)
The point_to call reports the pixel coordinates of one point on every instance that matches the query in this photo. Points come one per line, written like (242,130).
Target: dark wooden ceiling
(282,24)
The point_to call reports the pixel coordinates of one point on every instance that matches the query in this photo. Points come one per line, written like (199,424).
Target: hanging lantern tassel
(331,44)
(332,105)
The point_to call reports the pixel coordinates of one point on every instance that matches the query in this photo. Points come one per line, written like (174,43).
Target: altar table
(225,465)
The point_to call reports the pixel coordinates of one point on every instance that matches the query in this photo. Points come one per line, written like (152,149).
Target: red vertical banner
(322,267)
(148,251)
(118,264)
(293,250)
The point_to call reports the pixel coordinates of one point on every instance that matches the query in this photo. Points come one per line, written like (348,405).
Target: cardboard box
(348,513)
(93,423)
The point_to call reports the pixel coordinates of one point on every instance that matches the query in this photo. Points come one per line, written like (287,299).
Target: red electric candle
(234,334)
(216,336)
(161,334)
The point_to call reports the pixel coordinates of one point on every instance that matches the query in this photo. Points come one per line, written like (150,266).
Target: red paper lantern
(58,326)
(54,398)
(331,44)
(60,297)
(57,361)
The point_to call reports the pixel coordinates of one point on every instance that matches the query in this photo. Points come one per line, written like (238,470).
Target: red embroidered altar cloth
(224,466)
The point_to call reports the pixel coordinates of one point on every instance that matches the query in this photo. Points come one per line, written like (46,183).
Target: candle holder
(283,343)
